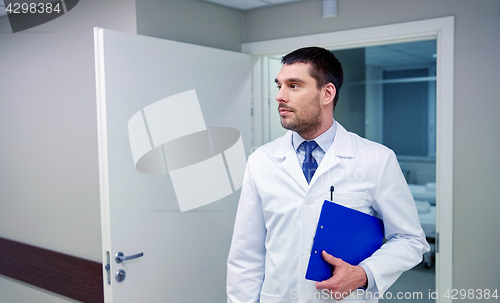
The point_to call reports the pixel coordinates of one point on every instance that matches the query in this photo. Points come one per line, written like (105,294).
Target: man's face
(298,98)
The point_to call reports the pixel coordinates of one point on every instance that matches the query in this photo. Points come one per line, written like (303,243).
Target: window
(409,112)
(389,96)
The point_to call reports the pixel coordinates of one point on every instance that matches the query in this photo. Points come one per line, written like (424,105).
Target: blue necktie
(309,165)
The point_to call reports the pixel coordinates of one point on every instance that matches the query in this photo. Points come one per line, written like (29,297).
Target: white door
(184,252)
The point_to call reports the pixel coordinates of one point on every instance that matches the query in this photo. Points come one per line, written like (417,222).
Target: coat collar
(340,148)
(342,145)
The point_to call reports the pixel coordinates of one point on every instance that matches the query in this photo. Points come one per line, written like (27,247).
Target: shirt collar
(324,140)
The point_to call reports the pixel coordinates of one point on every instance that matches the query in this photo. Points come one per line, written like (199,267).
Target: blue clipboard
(344,233)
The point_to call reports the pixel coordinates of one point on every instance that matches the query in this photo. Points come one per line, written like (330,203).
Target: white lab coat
(278,213)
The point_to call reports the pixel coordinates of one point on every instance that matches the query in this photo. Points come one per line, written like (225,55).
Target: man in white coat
(286,182)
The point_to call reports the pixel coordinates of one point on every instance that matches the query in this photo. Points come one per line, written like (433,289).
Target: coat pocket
(265,298)
(357,201)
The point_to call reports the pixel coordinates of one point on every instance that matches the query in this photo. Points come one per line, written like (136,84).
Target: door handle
(120,257)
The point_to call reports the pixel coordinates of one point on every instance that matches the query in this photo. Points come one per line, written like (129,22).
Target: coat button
(309,201)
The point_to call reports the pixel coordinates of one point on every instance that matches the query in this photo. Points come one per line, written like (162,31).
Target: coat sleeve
(406,241)
(245,265)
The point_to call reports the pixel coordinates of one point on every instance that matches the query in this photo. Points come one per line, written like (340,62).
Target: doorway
(438,164)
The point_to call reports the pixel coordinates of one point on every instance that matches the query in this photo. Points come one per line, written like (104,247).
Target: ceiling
(408,54)
(414,53)
(249,4)
(236,4)
(402,54)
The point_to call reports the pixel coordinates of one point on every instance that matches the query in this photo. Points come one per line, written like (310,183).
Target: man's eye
(294,86)
(278,86)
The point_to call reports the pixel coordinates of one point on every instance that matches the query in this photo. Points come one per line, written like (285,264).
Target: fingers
(327,284)
(330,259)
(334,293)
(345,278)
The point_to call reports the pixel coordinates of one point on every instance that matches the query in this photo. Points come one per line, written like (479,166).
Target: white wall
(49,187)
(190,21)
(49,181)
(476,146)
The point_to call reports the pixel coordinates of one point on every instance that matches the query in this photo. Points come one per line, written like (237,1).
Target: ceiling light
(329,8)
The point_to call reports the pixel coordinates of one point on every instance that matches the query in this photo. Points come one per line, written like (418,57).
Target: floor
(416,285)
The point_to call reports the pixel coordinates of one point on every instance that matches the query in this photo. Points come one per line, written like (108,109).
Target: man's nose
(281,96)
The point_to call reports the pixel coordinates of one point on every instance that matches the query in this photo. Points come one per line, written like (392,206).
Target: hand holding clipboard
(346,234)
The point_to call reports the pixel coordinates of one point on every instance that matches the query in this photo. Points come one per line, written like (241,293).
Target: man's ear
(329,93)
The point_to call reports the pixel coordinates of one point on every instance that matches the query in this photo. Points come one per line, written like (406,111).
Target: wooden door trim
(70,276)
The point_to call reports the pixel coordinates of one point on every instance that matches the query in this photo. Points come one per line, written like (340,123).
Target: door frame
(441,29)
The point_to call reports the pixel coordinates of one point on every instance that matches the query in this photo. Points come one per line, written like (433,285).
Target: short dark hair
(325,67)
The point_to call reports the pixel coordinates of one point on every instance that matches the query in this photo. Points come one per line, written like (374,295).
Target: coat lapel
(340,148)
(290,162)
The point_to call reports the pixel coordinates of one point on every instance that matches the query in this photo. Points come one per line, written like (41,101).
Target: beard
(306,120)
